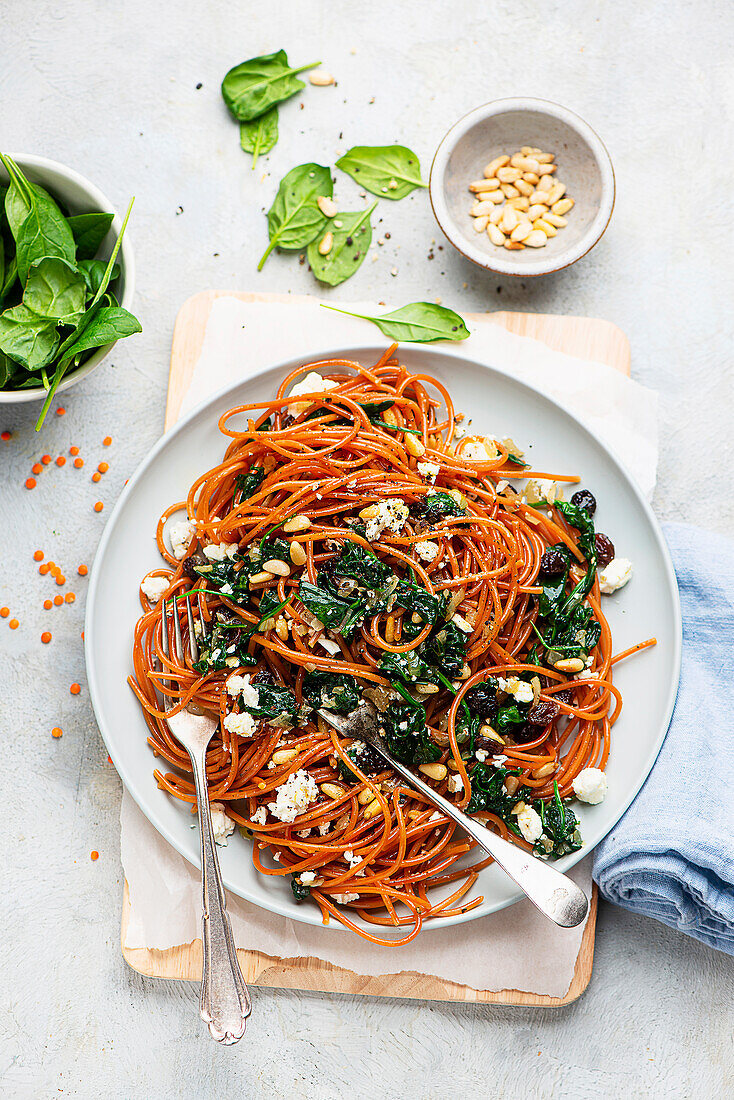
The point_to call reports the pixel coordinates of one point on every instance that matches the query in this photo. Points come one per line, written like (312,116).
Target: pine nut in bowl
(522,187)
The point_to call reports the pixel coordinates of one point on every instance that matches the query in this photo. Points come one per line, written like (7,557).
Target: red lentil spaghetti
(350,543)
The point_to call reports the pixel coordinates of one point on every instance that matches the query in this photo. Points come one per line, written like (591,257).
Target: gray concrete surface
(111,89)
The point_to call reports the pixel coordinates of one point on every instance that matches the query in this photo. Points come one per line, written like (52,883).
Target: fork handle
(224,1003)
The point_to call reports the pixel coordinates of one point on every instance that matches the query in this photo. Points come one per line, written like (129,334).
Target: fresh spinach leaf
(86,334)
(89,230)
(390,171)
(260,135)
(44,231)
(108,324)
(348,250)
(55,290)
(417,323)
(294,219)
(93,273)
(27,338)
(254,86)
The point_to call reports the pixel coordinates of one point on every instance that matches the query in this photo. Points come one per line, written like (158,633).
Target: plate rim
(366,350)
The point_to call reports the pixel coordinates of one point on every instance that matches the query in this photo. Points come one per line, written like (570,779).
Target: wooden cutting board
(583,337)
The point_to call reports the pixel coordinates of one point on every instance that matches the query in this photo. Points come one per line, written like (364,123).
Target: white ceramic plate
(501,406)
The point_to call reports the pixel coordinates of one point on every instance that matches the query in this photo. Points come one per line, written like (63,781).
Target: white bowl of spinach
(67,278)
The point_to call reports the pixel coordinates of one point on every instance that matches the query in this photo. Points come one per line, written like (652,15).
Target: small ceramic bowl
(505,126)
(78,196)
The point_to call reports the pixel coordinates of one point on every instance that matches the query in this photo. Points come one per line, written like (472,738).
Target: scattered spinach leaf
(254,86)
(294,219)
(390,171)
(260,135)
(417,323)
(348,250)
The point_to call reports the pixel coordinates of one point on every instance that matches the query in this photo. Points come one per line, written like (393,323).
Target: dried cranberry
(190,563)
(524,733)
(586,500)
(553,562)
(604,548)
(542,713)
(482,698)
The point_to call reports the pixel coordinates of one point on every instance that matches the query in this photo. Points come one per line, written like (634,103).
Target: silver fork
(224,1002)
(553,893)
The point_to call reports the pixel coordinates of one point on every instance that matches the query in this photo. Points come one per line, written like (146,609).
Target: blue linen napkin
(671,856)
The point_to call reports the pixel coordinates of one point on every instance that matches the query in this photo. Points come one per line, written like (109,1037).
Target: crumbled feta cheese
(429,470)
(427,551)
(479,450)
(218,551)
(529,824)
(294,796)
(154,587)
(615,575)
(260,815)
(462,623)
(391,514)
(303,833)
(222,825)
(351,859)
(227,590)
(241,724)
(181,534)
(499,761)
(323,829)
(240,685)
(307,877)
(344,899)
(481,755)
(590,785)
(455,784)
(312,383)
(434,817)
(516,687)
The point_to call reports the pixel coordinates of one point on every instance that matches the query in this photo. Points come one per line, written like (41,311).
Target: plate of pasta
(411,527)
